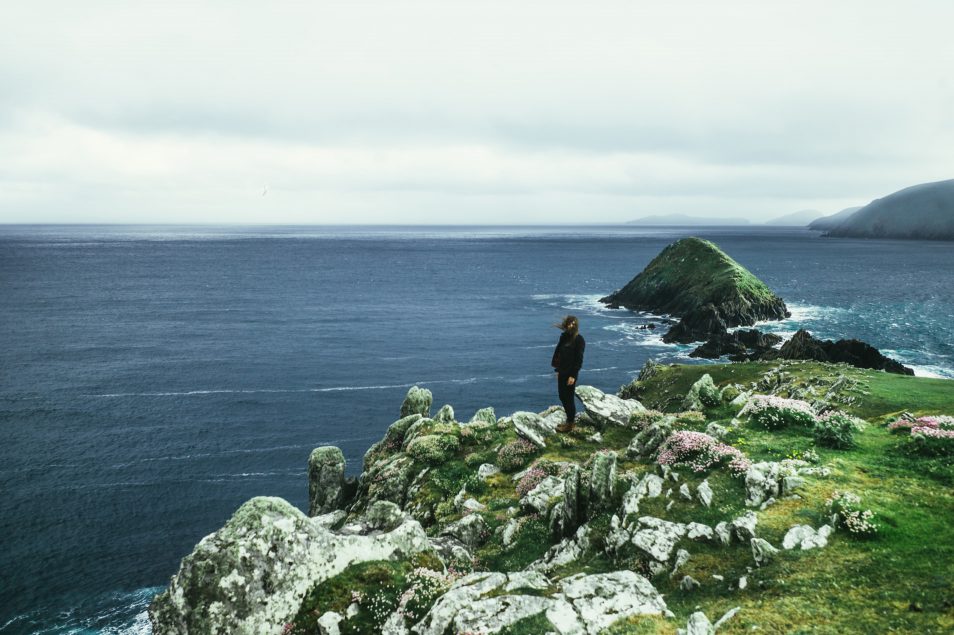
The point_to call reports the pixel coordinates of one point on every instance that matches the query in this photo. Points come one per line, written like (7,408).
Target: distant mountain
(826,223)
(683,219)
(801,218)
(924,212)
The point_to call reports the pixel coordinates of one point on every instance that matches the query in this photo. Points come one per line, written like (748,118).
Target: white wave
(228,391)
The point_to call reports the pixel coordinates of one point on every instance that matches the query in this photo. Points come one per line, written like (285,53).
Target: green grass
(901,580)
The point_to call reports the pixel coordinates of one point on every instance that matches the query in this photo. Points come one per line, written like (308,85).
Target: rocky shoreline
(501,525)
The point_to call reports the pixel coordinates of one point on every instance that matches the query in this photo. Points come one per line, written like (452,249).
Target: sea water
(152,379)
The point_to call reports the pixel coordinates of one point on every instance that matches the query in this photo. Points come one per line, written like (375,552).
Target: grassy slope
(673,282)
(851,586)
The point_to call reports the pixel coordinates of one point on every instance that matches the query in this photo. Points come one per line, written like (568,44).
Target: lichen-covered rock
(704,492)
(649,486)
(805,537)
(484,415)
(486,470)
(607,409)
(326,467)
(762,551)
(532,427)
(328,623)
(417,401)
(392,442)
(541,497)
(703,394)
(772,480)
(388,479)
(698,624)
(563,553)
(602,481)
(433,448)
(583,604)
(688,583)
(657,538)
(648,440)
(445,414)
(573,508)
(744,526)
(470,530)
(604,598)
(698,531)
(250,576)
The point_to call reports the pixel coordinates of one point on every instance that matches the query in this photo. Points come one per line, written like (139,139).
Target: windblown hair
(569,325)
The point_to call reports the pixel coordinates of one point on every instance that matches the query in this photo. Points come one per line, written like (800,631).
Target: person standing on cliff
(567,361)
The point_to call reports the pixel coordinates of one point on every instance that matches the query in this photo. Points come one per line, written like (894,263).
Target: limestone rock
(328,623)
(602,599)
(728,616)
(465,591)
(388,479)
(704,492)
(682,557)
(249,576)
(450,550)
(805,537)
(326,467)
(657,538)
(486,470)
(762,551)
(484,415)
(445,414)
(573,508)
(703,394)
(566,551)
(648,440)
(744,526)
(688,583)
(417,401)
(698,531)
(684,491)
(543,495)
(723,532)
(470,530)
(698,624)
(532,427)
(607,409)
(602,480)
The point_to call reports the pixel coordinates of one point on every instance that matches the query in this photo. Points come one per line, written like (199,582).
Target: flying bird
(265,191)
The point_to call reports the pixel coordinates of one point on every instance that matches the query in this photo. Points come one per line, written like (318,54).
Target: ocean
(153,378)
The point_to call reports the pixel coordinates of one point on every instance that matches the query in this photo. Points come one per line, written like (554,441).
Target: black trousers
(567,397)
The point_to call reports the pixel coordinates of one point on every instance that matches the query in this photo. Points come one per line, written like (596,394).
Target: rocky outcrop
(695,280)
(417,401)
(739,346)
(583,604)
(250,576)
(326,482)
(854,352)
(607,409)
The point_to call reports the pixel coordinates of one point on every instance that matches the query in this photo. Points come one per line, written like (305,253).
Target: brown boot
(565,428)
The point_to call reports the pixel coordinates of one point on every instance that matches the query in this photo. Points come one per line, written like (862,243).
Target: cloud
(446,112)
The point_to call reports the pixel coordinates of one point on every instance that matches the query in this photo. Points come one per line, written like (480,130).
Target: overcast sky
(467,112)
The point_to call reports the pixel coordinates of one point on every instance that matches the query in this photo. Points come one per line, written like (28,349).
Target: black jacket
(568,355)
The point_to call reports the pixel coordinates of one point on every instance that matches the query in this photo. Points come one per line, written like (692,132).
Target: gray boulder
(604,598)
(417,401)
(698,624)
(607,409)
(805,537)
(703,394)
(250,576)
(541,497)
(484,415)
(532,427)
(471,530)
(326,467)
(445,414)
(762,551)
(602,481)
